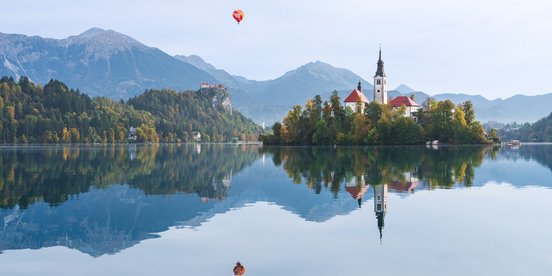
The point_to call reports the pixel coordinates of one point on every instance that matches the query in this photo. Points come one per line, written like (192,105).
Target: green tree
(469,112)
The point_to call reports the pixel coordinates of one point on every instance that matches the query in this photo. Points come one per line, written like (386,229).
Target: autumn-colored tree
(65,135)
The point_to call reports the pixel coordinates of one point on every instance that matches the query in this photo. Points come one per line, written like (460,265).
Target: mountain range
(106,63)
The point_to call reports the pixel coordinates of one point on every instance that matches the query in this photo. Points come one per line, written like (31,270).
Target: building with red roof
(355,97)
(411,106)
(408,184)
(357,188)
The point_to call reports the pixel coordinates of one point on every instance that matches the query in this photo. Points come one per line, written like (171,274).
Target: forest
(330,123)
(55,174)
(54,113)
(540,131)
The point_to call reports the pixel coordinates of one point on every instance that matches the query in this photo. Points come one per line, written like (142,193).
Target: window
(378,81)
(378,91)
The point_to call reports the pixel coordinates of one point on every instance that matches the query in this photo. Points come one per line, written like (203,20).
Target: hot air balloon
(238,15)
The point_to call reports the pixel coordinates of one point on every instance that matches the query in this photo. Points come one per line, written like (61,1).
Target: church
(380,95)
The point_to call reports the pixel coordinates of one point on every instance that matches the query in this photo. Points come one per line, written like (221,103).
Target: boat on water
(434,142)
(514,143)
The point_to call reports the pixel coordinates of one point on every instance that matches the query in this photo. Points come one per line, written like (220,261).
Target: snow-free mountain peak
(105,41)
(405,89)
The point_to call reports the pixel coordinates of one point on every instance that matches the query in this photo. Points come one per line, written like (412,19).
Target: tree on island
(330,123)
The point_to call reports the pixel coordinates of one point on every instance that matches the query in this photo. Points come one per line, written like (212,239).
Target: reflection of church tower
(357,188)
(380,205)
(380,83)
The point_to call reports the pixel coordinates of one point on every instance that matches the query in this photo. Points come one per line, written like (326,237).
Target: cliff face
(219,97)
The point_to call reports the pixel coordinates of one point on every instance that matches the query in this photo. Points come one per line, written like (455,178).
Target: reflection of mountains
(538,152)
(84,210)
(528,165)
(87,212)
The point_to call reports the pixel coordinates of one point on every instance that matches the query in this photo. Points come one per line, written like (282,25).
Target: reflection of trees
(54,174)
(183,169)
(540,153)
(332,167)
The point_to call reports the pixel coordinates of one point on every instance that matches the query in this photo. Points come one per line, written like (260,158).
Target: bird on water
(239,269)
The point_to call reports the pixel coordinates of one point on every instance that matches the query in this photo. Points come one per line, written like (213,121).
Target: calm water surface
(197,209)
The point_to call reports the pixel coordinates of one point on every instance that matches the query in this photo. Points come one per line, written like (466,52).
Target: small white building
(196,136)
(355,97)
(131,134)
(411,106)
(205,85)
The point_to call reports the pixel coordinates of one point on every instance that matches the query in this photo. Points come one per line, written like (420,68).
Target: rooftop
(403,100)
(356,96)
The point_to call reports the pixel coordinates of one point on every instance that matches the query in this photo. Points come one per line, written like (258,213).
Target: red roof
(357,192)
(403,100)
(356,96)
(399,186)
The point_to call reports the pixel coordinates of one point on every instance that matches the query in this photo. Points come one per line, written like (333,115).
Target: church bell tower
(380,83)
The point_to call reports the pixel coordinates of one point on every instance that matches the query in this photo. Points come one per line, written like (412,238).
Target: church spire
(380,217)
(380,71)
(359,87)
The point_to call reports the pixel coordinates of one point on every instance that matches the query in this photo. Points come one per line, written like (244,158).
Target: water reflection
(55,174)
(101,200)
(71,196)
(403,168)
(397,169)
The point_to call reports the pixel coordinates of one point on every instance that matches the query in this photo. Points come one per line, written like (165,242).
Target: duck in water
(239,269)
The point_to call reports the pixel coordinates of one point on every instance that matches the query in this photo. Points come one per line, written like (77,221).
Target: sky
(496,48)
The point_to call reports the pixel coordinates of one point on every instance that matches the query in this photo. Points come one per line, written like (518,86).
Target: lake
(197,209)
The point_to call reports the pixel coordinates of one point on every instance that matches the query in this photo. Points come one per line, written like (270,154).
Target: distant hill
(98,62)
(540,131)
(239,88)
(301,84)
(404,89)
(271,99)
(518,108)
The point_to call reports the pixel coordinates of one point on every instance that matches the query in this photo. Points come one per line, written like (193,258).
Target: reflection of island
(386,169)
(357,188)
(404,169)
(380,205)
(407,184)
